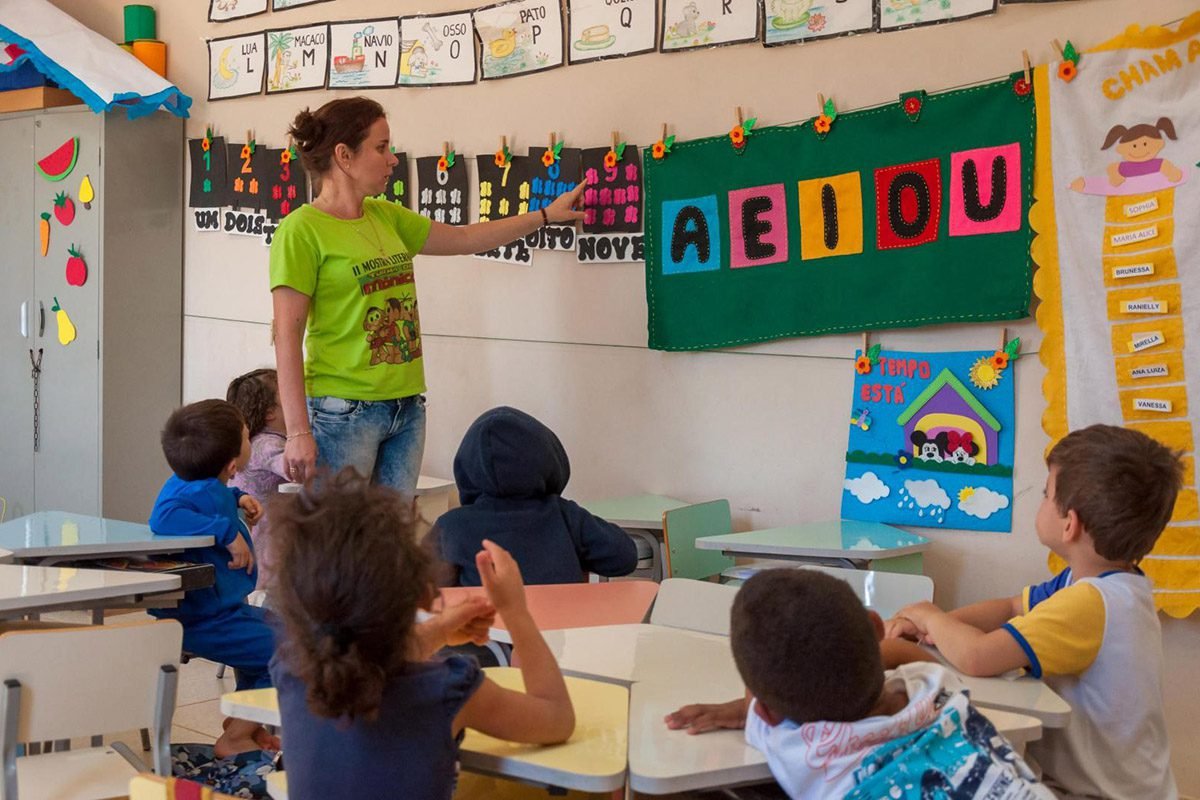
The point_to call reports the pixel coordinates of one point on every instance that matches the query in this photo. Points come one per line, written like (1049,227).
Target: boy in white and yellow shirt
(1091,632)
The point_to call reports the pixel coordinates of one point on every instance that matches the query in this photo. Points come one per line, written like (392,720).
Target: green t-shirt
(364,337)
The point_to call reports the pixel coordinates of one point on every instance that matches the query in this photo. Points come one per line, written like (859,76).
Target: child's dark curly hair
(349,578)
(254,393)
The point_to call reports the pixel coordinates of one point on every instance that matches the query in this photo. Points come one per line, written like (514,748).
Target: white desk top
(643,511)
(628,653)
(5,556)
(55,534)
(592,760)
(427,484)
(1025,695)
(29,589)
(834,539)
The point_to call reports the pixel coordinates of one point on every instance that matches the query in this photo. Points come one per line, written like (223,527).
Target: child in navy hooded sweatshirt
(511,471)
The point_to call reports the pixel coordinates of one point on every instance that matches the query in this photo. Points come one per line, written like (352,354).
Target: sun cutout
(965,493)
(983,374)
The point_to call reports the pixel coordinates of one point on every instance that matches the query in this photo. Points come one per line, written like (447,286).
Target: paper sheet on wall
(364,54)
(897,14)
(519,37)
(208,181)
(688,24)
(247,174)
(438,49)
(504,191)
(931,440)
(225,10)
(396,190)
(283,5)
(297,58)
(286,182)
(550,176)
(598,29)
(442,194)
(236,66)
(789,21)
(1117,189)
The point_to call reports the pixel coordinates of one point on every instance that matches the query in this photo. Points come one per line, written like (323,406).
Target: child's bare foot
(243,736)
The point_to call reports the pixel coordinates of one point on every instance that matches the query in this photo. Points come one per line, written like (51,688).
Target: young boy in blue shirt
(205,444)
(1091,632)
(511,471)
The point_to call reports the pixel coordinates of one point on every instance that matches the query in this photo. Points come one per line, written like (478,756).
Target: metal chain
(37,399)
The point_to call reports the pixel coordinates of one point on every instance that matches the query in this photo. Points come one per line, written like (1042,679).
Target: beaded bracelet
(291,436)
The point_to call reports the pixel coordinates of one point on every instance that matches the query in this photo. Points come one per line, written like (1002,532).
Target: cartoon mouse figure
(1138,147)
(928,449)
(959,447)
(687,26)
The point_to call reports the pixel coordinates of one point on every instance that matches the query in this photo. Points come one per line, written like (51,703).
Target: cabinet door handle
(41,319)
(25,320)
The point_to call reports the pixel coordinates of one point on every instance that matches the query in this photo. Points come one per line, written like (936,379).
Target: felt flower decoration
(502,157)
(552,154)
(610,159)
(205,144)
(446,162)
(660,148)
(912,105)
(902,458)
(999,360)
(822,124)
(285,156)
(862,365)
(1067,71)
(1021,87)
(248,149)
(738,134)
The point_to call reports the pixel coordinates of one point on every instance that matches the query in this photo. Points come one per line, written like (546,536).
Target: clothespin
(503,142)
(553,139)
(739,115)
(1058,48)
(1025,60)
(445,149)
(615,139)
(664,133)
(820,103)
(1003,338)
(865,342)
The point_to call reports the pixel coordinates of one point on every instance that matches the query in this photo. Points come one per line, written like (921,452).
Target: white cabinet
(102,398)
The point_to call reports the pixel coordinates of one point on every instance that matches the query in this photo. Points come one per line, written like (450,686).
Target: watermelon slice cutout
(59,164)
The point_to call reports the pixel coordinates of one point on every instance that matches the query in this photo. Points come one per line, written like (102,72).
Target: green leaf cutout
(1013,349)
(873,352)
(670,140)
(1070,53)
(829,109)
(619,150)
(450,159)
(748,125)
(558,150)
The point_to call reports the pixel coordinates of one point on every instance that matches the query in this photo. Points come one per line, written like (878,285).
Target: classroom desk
(47,537)
(626,654)
(1024,695)
(35,590)
(573,605)
(663,761)
(859,545)
(592,760)
(641,516)
(5,556)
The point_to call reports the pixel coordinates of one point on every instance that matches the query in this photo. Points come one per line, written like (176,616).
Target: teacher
(342,289)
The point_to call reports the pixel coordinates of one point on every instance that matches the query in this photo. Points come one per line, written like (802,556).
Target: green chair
(681,528)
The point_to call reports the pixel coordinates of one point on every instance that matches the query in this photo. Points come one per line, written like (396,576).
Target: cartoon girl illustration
(1139,148)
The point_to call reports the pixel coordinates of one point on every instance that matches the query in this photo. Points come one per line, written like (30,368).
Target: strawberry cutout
(64,208)
(77,272)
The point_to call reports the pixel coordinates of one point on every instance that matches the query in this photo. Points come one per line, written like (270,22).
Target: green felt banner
(914,213)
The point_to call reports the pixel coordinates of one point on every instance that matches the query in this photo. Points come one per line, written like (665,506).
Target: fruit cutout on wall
(77,272)
(64,208)
(59,164)
(86,193)
(66,328)
(44,232)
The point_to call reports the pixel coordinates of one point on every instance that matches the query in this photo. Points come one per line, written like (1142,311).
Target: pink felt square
(758,232)
(985,190)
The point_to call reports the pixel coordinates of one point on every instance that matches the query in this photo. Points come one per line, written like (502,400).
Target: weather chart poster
(931,439)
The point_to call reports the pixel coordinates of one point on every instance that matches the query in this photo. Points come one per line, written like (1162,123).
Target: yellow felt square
(1154,403)
(1170,573)
(1121,239)
(1178,540)
(1175,435)
(1149,369)
(1157,265)
(1187,506)
(831,219)
(1127,338)
(1139,302)
(1189,470)
(1135,208)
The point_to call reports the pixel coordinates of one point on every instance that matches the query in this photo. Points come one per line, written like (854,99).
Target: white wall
(764,426)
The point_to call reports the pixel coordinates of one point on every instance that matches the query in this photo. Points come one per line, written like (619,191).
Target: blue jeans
(383,439)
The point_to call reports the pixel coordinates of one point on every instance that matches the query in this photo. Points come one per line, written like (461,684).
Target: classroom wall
(765,425)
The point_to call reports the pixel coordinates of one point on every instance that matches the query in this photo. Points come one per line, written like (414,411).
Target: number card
(612,197)
(520,37)
(248,176)
(443,193)
(364,54)
(599,29)
(553,171)
(288,182)
(397,187)
(235,66)
(208,183)
(689,24)
(437,50)
(504,191)
(297,58)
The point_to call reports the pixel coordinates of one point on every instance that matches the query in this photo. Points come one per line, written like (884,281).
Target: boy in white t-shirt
(832,723)
(1091,632)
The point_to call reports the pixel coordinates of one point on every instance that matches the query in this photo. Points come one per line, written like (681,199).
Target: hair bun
(306,129)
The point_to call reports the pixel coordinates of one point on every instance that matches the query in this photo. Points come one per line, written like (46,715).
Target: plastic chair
(682,527)
(152,787)
(83,681)
(882,592)
(693,605)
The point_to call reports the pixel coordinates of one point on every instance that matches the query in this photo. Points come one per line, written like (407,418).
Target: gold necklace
(377,242)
